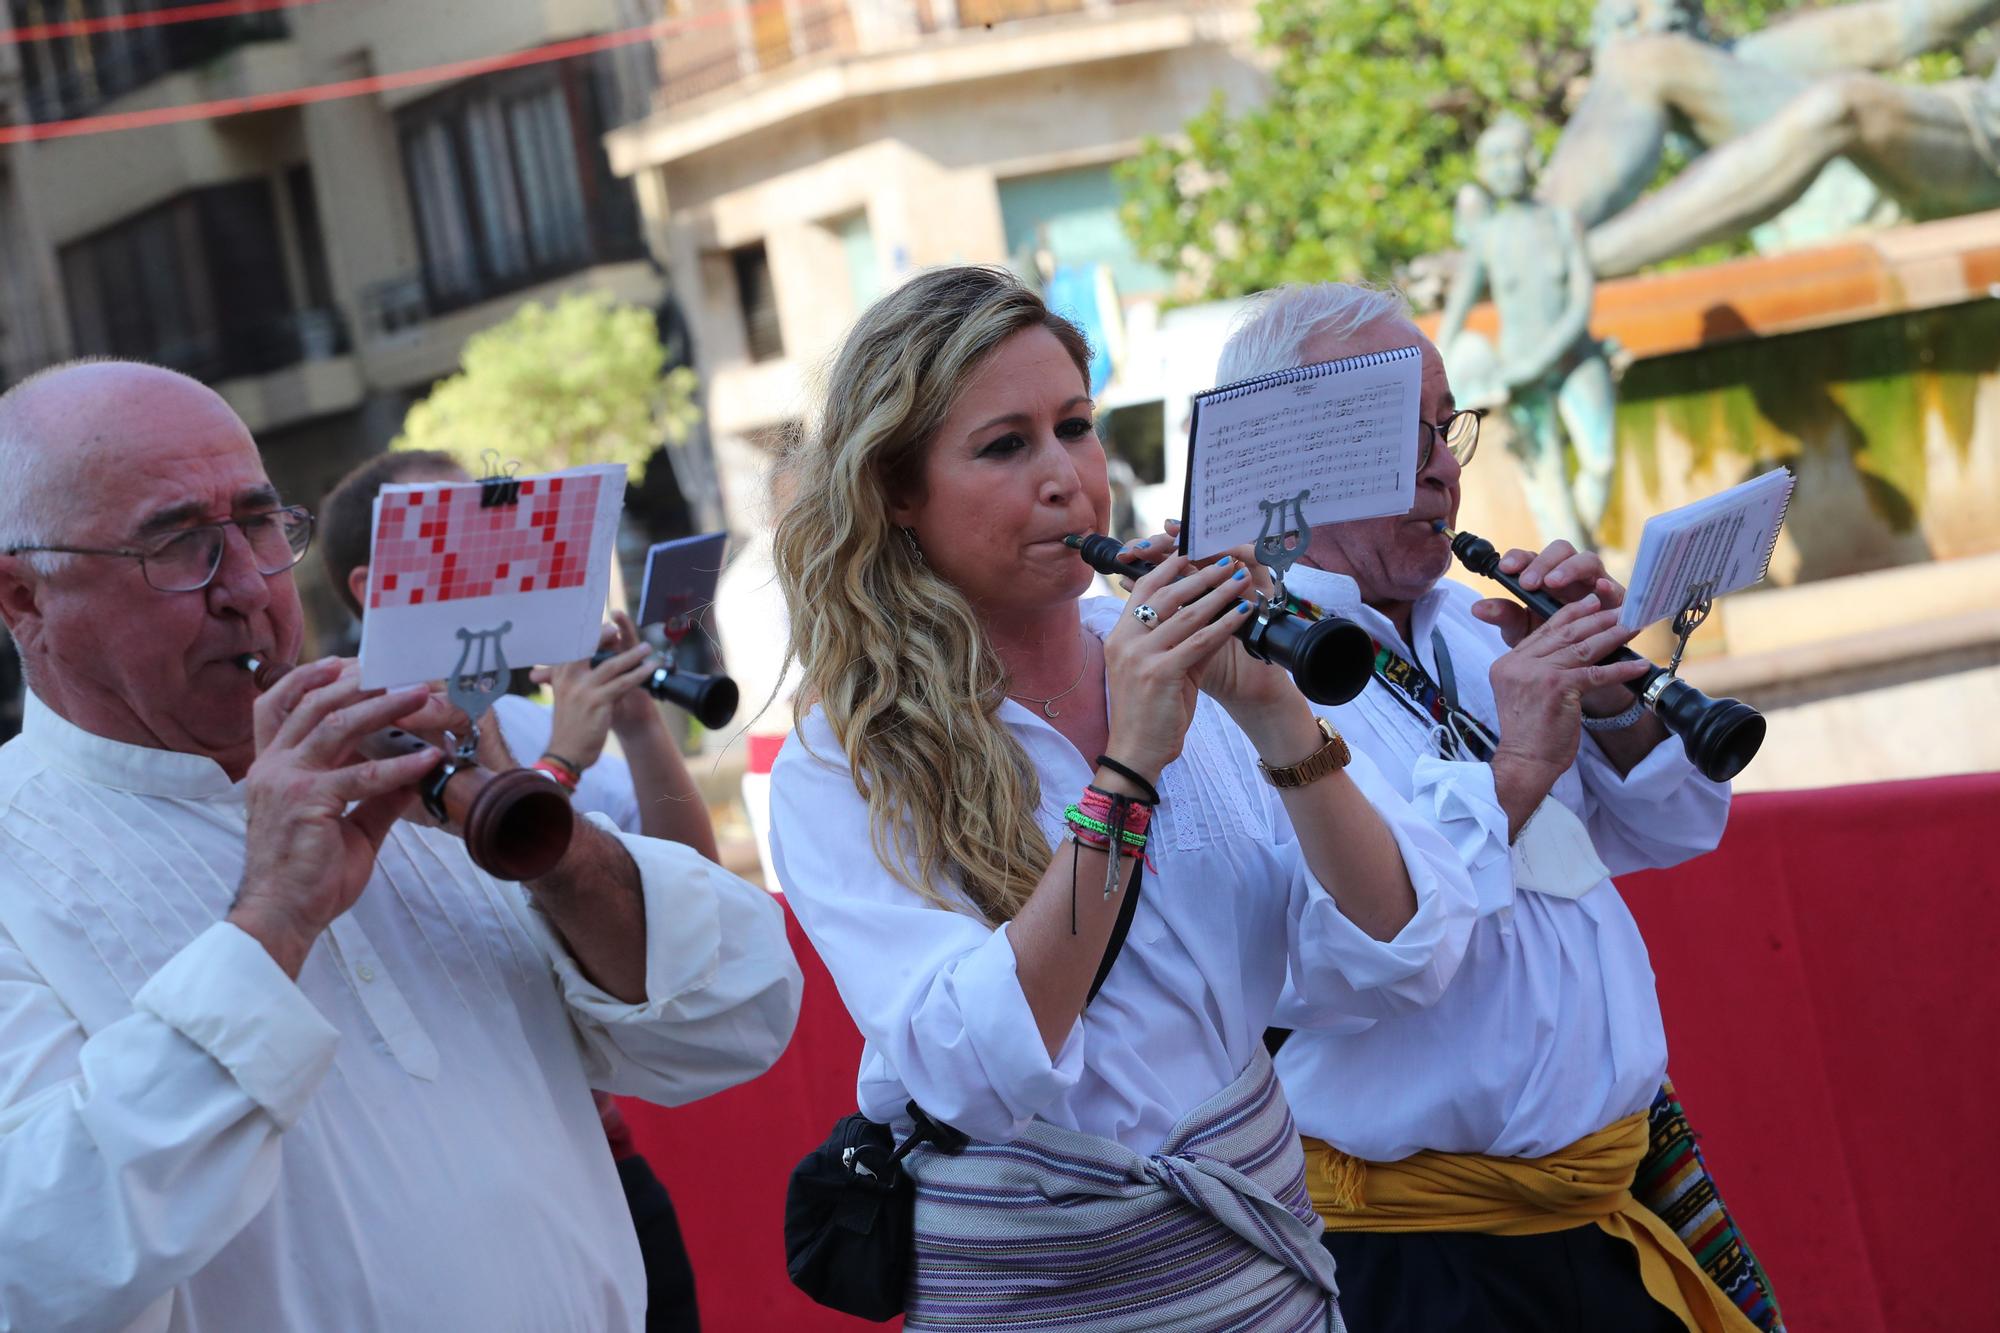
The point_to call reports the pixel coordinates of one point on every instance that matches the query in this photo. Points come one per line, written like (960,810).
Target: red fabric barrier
(1832,1009)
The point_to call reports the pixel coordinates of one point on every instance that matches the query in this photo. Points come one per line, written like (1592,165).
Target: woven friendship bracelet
(1097,833)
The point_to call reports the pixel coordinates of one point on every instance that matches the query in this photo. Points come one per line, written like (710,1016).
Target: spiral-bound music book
(1724,541)
(1344,432)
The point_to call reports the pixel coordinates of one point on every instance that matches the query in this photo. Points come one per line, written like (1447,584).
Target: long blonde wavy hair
(895,655)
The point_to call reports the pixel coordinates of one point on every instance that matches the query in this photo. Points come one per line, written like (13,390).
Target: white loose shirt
(1551,1029)
(403,1139)
(1228,906)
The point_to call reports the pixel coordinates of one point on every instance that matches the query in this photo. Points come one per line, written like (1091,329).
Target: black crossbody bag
(850,1207)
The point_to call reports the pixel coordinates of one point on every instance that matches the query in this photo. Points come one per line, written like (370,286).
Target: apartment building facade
(803,156)
(321,263)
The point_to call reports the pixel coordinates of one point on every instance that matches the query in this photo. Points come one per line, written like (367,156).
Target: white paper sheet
(1345,433)
(1725,539)
(439,562)
(680,577)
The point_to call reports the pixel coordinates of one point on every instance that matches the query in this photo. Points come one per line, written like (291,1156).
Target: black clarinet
(1330,657)
(1721,736)
(710,699)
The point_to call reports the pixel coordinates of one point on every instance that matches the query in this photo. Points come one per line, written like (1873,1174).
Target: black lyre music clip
(500,485)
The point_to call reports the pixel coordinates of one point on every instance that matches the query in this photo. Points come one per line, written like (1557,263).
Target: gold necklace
(1049,704)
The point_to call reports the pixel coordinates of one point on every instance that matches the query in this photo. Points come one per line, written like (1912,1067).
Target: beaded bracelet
(1104,820)
(558,770)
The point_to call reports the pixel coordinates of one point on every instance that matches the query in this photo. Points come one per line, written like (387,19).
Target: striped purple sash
(1061,1230)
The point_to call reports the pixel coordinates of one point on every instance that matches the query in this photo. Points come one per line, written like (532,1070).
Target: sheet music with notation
(1345,432)
(1723,542)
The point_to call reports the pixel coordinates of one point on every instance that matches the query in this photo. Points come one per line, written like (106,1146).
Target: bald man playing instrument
(272,1057)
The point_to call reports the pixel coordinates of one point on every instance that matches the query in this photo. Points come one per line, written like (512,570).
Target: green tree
(582,381)
(1348,170)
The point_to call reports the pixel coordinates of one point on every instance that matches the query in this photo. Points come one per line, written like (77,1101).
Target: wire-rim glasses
(187,560)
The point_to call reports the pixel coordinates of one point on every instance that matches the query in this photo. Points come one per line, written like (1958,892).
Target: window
(1137,433)
(197,283)
(759,302)
(864,270)
(1074,216)
(510,184)
(71,75)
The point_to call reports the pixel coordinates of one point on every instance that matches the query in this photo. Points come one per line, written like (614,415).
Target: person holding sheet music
(646,790)
(1473,1160)
(272,1056)
(979,737)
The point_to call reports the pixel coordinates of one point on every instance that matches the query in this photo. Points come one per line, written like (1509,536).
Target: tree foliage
(1349,169)
(582,381)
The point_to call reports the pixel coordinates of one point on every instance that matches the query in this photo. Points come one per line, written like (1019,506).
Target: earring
(916,551)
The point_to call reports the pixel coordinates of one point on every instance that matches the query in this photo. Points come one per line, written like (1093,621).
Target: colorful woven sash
(1673,1181)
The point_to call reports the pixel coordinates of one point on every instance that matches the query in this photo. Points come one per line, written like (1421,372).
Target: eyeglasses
(186,561)
(1459,431)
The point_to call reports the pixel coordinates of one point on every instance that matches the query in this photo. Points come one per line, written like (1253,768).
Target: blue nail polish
(1243,608)
(1143,545)
(1224,561)
(1240,574)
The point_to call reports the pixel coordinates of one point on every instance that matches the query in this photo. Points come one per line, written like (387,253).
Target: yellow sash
(1589,1181)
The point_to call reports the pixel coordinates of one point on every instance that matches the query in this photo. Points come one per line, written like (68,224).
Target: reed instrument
(1330,657)
(1721,736)
(516,825)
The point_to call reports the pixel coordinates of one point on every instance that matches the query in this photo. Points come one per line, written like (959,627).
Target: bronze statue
(1550,372)
(1798,93)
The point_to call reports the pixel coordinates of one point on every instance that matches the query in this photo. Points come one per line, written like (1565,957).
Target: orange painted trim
(1765,295)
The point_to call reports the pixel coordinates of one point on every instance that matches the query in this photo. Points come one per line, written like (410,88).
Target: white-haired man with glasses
(1473,1160)
(271,1057)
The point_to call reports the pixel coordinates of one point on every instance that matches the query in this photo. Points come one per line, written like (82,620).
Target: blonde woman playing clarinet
(942,820)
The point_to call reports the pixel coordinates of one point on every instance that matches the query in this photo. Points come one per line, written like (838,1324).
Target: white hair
(1271,334)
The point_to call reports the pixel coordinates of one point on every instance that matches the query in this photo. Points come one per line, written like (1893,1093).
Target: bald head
(117,457)
(63,426)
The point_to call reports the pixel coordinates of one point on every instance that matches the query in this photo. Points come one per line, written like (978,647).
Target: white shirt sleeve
(1456,797)
(1661,813)
(722,986)
(1338,972)
(934,991)
(128,1159)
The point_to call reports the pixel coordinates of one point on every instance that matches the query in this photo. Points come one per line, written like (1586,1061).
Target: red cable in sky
(327,92)
(214,9)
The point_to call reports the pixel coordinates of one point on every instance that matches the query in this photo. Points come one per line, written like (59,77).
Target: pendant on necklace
(1049,709)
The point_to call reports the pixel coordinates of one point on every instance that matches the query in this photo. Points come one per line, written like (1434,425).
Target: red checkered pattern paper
(439,545)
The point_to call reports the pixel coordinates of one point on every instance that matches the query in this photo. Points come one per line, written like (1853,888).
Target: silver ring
(1147,616)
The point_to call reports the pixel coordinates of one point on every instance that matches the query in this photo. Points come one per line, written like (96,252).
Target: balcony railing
(712,44)
(262,349)
(72,76)
(456,282)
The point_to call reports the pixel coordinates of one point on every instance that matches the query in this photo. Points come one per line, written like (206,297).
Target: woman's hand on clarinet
(1154,672)
(591,700)
(316,811)
(1568,575)
(1238,681)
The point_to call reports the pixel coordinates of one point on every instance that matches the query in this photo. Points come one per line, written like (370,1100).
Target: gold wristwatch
(1330,757)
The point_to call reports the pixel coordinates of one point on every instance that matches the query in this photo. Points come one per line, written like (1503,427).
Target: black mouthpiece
(1101,554)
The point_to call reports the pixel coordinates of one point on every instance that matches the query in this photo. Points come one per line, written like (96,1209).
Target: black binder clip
(500,485)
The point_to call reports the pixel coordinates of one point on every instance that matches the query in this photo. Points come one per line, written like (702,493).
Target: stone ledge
(1916,267)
